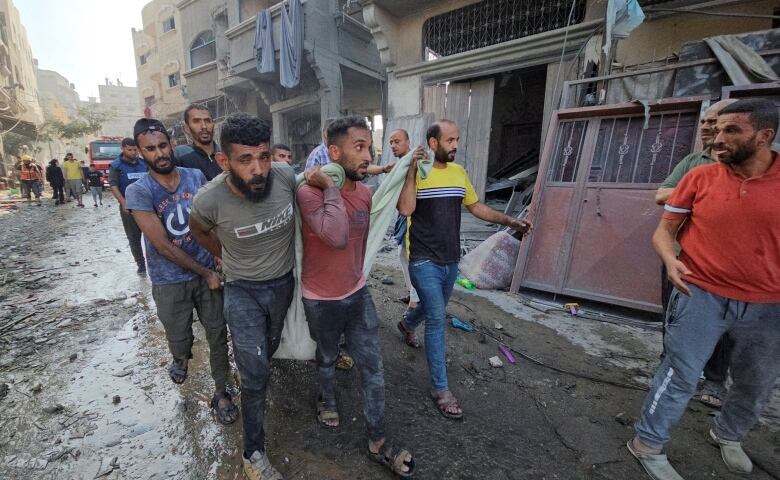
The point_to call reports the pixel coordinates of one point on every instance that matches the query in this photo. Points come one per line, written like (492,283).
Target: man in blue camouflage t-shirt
(182,272)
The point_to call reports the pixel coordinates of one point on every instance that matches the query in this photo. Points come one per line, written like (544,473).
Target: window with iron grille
(495,21)
(568,152)
(628,153)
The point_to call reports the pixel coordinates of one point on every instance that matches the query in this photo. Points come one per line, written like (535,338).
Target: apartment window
(142,59)
(490,22)
(168,24)
(173,80)
(203,49)
(149,101)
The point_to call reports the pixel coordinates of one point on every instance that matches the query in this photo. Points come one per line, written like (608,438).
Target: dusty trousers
(356,318)
(175,302)
(133,234)
(254,312)
(693,327)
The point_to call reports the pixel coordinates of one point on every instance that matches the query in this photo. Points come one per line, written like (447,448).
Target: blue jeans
(356,318)
(434,283)
(693,327)
(254,312)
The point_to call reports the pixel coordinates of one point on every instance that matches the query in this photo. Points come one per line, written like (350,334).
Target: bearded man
(245,216)
(726,217)
(182,271)
(433,207)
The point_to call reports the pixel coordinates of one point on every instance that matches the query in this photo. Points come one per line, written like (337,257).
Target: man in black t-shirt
(95,182)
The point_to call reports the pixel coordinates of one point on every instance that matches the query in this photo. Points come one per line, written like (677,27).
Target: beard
(205,137)
(254,195)
(354,175)
(741,153)
(442,155)
(161,170)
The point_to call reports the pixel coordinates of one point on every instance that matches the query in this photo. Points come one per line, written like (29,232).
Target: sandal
(178,371)
(410,338)
(326,414)
(344,361)
(445,400)
(711,394)
(227,414)
(394,459)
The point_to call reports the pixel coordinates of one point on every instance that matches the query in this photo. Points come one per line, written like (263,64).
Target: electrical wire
(541,363)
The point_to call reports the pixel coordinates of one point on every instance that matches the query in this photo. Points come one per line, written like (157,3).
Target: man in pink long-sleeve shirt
(335,296)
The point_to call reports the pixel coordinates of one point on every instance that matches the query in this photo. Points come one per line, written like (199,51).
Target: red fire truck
(102,152)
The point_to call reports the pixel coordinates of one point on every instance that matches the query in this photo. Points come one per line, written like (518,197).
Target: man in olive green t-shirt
(695,159)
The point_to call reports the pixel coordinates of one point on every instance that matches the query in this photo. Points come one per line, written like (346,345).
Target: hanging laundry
(264,42)
(291,48)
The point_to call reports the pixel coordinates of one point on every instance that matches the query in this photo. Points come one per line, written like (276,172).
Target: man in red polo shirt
(727,280)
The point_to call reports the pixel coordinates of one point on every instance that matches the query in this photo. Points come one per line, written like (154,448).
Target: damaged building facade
(335,65)
(532,95)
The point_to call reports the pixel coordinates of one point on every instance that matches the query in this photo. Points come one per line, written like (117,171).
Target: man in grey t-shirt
(245,216)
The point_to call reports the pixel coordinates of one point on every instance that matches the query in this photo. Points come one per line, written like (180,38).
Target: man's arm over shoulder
(688,163)
(324,212)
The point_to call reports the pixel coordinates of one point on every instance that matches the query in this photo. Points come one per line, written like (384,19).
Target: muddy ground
(84,389)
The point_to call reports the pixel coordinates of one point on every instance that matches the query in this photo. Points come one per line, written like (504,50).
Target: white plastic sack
(492,263)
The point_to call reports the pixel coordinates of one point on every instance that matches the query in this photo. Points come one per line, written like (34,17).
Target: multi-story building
(122,103)
(340,70)
(159,59)
(58,98)
(20,112)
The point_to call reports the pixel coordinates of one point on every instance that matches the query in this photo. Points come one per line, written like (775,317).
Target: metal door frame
(593,115)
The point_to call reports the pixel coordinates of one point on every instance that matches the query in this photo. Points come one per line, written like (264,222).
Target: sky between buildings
(84,40)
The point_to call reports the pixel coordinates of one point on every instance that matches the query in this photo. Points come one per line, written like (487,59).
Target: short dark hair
(68,154)
(243,129)
(406,134)
(434,131)
(279,146)
(761,112)
(194,106)
(128,142)
(338,129)
(144,125)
